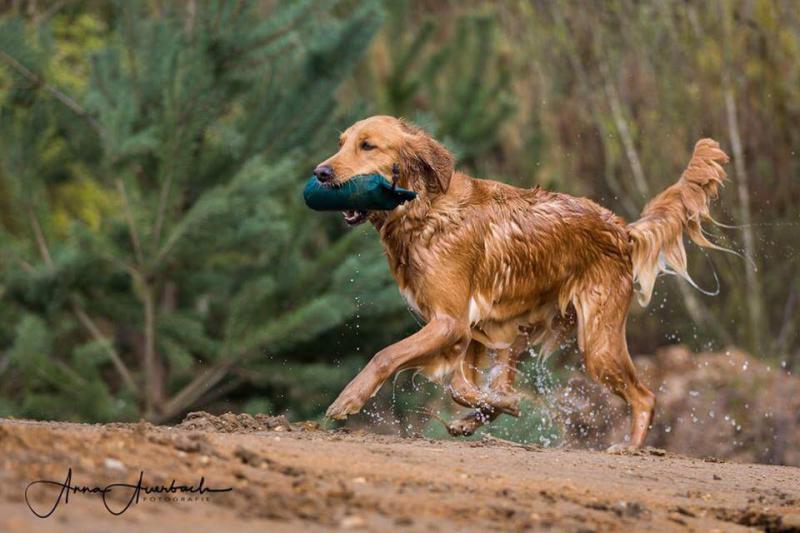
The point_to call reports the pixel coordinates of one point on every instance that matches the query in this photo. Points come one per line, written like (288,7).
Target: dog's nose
(323,173)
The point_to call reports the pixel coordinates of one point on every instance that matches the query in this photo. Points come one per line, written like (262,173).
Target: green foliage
(460,88)
(626,88)
(195,131)
(155,255)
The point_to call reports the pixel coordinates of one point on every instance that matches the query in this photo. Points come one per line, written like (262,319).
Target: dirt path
(302,478)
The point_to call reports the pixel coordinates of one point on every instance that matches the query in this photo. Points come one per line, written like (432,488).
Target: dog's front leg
(438,336)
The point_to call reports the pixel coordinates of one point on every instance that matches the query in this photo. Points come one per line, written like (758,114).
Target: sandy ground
(298,477)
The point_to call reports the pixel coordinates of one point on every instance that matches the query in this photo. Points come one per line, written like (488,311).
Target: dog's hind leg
(602,311)
(500,396)
(463,386)
(465,391)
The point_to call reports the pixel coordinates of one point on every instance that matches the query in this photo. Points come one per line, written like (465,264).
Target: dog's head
(375,145)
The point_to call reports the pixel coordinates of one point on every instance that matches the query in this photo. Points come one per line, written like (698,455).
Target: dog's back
(524,254)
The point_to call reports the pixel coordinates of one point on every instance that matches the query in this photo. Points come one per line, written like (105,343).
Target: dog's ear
(430,160)
(438,163)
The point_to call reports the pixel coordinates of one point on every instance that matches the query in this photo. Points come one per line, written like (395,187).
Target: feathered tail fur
(657,237)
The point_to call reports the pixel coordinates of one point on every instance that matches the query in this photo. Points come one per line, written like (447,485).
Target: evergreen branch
(283,326)
(24,265)
(133,62)
(92,328)
(5,362)
(84,319)
(122,265)
(44,251)
(194,390)
(67,370)
(206,397)
(172,240)
(53,91)
(327,259)
(162,209)
(8,253)
(137,247)
(49,12)
(293,19)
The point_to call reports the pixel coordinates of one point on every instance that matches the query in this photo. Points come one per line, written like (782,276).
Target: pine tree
(458,86)
(187,262)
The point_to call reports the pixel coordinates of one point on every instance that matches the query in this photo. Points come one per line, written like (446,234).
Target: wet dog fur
(491,267)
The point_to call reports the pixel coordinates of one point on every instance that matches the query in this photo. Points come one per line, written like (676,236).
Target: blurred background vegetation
(155,255)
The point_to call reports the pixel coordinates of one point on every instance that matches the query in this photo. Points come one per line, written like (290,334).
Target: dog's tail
(657,237)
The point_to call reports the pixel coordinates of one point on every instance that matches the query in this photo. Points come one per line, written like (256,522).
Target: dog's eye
(366,146)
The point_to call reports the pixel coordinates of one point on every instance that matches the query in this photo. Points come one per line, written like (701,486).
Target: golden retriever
(491,267)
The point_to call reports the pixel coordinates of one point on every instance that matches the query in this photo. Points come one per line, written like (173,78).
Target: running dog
(495,268)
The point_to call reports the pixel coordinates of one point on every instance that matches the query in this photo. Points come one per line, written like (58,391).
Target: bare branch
(755,308)
(49,12)
(205,398)
(625,134)
(755,304)
(152,369)
(700,314)
(196,389)
(53,91)
(44,251)
(583,81)
(92,328)
(788,331)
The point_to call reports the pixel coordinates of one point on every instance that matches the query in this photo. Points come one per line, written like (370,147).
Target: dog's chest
(411,300)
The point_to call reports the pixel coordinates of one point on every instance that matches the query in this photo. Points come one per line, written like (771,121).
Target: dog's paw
(462,428)
(622,449)
(345,405)
(467,424)
(340,411)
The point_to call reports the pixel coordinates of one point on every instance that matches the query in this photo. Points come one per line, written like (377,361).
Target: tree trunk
(755,306)
(153,371)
